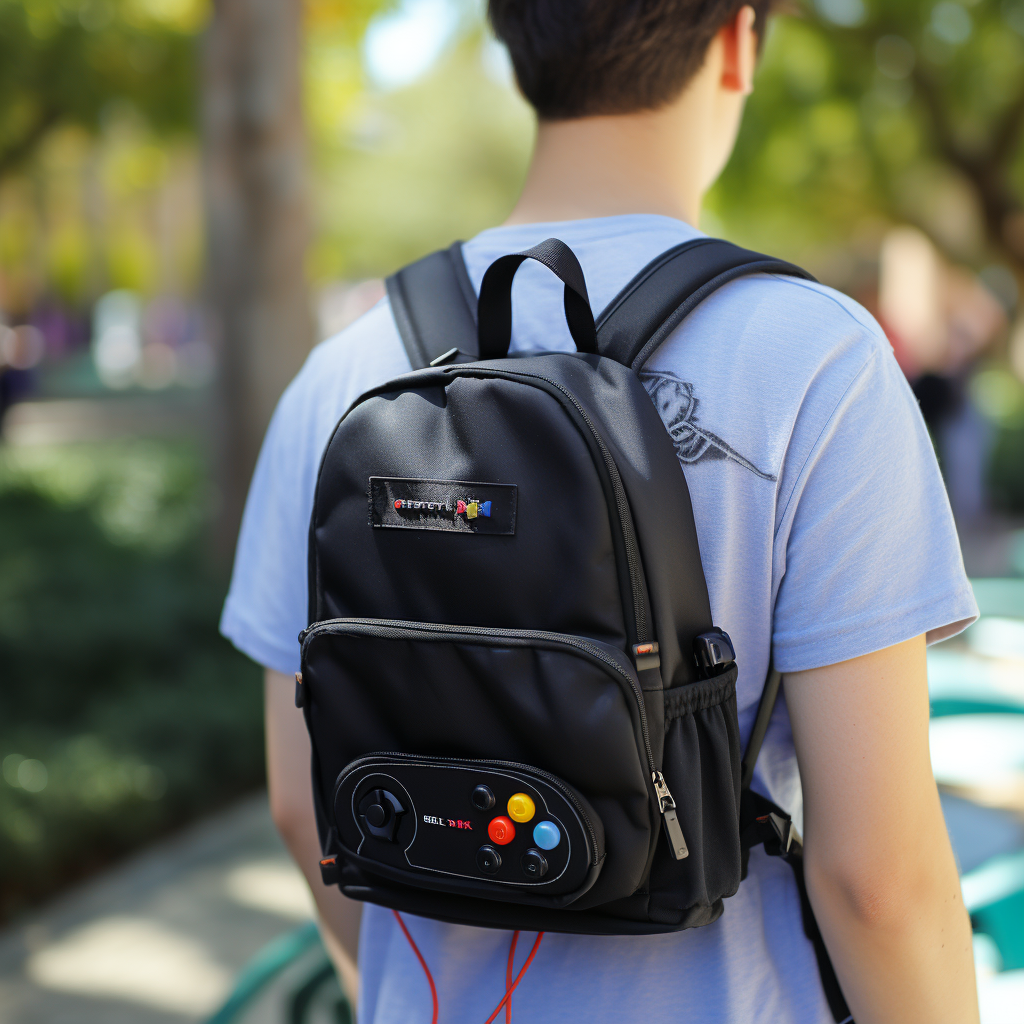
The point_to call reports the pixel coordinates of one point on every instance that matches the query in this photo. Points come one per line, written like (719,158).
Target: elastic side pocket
(701,765)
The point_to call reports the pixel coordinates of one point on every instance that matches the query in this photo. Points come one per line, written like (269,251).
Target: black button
(376,815)
(488,860)
(534,863)
(483,798)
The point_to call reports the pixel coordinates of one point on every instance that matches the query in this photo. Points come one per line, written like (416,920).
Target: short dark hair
(576,58)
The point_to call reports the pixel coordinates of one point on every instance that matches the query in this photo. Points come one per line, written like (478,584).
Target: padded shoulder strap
(434,306)
(655,302)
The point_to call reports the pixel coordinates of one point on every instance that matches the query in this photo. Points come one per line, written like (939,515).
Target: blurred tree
(257,214)
(66,61)
(898,110)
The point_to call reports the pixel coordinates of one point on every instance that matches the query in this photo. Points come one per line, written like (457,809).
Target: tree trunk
(257,230)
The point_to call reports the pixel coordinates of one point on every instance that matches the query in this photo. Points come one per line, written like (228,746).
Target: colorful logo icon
(472,509)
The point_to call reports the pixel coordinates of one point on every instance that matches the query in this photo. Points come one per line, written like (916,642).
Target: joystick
(380,810)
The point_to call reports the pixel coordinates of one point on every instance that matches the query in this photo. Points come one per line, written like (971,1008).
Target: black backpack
(521,713)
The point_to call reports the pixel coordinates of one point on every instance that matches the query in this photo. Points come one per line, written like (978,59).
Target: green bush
(1006,470)
(123,713)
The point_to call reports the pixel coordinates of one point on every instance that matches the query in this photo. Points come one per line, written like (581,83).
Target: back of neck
(609,165)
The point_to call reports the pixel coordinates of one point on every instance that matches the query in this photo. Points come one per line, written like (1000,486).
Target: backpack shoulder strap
(655,302)
(434,306)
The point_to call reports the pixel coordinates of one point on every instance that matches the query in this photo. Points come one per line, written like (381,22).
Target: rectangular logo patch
(458,506)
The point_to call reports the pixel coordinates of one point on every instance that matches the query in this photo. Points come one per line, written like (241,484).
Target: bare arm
(880,871)
(291,806)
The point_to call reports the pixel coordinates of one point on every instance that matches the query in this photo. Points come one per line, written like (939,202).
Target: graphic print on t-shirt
(677,405)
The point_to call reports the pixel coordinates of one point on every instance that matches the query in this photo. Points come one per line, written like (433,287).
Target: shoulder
(803,323)
(764,364)
(777,341)
(338,370)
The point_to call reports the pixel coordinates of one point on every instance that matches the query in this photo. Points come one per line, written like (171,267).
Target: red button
(501,831)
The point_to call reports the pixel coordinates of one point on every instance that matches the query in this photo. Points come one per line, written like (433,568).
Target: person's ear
(739,52)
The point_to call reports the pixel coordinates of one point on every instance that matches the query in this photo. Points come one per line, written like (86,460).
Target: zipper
(669,818)
(529,769)
(399,629)
(637,581)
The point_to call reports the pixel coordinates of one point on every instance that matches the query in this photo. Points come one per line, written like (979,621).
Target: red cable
(508,974)
(519,978)
(510,986)
(423,964)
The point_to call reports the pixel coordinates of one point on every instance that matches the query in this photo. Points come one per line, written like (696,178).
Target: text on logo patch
(455,506)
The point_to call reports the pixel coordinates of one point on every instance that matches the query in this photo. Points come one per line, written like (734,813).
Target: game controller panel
(475,820)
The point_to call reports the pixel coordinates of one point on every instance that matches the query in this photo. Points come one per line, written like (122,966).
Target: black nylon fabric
(458,428)
(438,283)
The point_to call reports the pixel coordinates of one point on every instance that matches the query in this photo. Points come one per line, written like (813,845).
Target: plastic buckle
(783,836)
(713,649)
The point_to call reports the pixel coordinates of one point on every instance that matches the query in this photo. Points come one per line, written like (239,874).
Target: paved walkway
(160,938)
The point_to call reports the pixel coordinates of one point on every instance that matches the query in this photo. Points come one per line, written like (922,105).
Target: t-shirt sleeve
(866,549)
(267,603)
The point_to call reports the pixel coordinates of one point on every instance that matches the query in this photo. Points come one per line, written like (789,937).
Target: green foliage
(122,712)
(996,390)
(67,61)
(413,169)
(896,110)
(1005,479)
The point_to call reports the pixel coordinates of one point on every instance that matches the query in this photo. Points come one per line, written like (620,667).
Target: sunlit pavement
(159,939)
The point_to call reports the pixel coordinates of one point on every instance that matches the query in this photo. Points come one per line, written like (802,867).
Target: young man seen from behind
(824,530)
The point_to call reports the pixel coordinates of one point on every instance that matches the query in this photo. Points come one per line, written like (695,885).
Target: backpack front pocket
(563,706)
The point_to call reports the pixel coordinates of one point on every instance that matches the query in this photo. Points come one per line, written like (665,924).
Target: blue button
(546,835)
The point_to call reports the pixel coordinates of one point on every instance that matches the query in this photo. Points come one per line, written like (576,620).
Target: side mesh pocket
(701,764)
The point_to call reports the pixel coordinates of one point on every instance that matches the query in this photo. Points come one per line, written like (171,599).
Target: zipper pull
(673,830)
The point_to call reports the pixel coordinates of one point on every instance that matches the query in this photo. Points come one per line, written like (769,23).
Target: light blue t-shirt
(824,531)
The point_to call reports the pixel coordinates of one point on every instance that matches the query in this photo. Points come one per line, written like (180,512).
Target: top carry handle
(494,310)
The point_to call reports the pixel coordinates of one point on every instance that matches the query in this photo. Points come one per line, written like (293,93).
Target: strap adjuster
(783,835)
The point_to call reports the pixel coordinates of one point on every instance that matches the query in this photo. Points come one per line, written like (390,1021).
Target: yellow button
(521,807)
